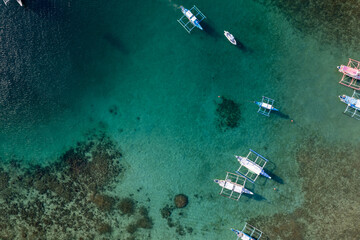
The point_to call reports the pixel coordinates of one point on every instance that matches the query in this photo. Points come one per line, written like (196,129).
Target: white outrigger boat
(233,186)
(266,106)
(351,101)
(193,19)
(248,233)
(349,71)
(230,37)
(352,104)
(252,166)
(19,2)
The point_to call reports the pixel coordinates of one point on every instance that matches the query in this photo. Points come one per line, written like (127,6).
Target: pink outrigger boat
(351,74)
(349,71)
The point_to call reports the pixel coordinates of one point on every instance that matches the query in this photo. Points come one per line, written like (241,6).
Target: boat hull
(230,37)
(351,101)
(241,235)
(349,71)
(191,17)
(267,106)
(232,186)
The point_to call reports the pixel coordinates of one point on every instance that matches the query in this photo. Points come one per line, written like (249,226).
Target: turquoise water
(130,71)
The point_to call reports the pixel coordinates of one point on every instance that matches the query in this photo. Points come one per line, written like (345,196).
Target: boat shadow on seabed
(271,166)
(281,114)
(241,46)
(210,30)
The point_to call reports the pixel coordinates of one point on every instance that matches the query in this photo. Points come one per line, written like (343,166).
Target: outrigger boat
(351,101)
(248,233)
(191,17)
(230,37)
(233,186)
(266,106)
(241,235)
(252,166)
(349,71)
(351,74)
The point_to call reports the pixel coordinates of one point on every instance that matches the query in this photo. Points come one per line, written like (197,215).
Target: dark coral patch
(127,206)
(144,221)
(96,169)
(103,202)
(104,228)
(166,211)
(4,179)
(228,113)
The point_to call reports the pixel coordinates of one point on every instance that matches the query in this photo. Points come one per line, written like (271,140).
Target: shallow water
(129,71)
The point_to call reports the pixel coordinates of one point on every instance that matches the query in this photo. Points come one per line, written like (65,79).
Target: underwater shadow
(256,197)
(262,180)
(241,46)
(282,115)
(210,30)
(276,178)
(115,42)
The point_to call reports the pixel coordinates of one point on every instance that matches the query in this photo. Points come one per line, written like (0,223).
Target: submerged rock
(181,200)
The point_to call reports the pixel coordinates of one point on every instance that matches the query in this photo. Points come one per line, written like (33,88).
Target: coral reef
(228,114)
(323,19)
(181,200)
(328,175)
(71,198)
